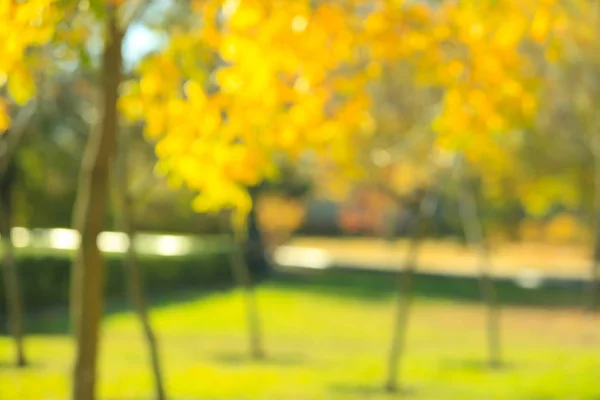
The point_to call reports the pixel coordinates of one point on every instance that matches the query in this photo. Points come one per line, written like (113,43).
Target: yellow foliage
(469,50)
(298,75)
(4,116)
(285,61)
(565,228)
(537,196)
(24,25)
(540,26)
(21,86)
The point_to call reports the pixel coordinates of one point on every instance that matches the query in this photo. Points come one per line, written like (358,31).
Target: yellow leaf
(150,84)
(195,93)
(4,117)
(476,31)
(455,69)
(373,70)
(246,14)
(131,108)
(508,35)
(210,120)
(229,79)
(376,23)
(155,124)
(540,25)
(21,86)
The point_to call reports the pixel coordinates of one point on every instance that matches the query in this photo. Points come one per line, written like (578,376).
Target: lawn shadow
(475,365)
(55,320)
(366,391)
(269,359)
(338,281)
(31,365)
(377,285)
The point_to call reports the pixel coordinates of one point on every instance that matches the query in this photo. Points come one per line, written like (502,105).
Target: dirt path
(509,260)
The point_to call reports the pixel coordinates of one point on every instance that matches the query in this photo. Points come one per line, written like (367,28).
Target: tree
(475,237)
(8,176)
(243,278)
(488,90)
(267,227)
(11,278)
(26,27)
(249,258)
(251,114)
(404,296)
(275,91)
(115,17)
(573,70)
(135,283)
(89,213)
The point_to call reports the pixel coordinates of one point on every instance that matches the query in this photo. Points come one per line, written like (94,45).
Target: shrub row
(45,278)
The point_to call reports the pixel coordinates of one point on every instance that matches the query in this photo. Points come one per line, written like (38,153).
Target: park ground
(451,257)
(326,335)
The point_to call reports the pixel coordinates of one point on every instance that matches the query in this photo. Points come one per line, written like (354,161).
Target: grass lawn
(321,344)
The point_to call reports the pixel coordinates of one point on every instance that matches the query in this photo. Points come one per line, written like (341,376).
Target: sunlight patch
(303,257)
(113,242)
(64,239)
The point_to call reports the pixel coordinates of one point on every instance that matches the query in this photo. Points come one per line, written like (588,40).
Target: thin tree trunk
(254,249)
(134,276)
(11,278)
(8,147)
(242,273)
(89,216)
(242,277)
(595,267)
(12,139)
(474,234)
(404,293)
(592,298)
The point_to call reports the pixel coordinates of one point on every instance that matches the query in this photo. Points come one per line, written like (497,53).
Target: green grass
(323,342)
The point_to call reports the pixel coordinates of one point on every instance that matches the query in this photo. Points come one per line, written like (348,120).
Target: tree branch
(138,8)
(13,136)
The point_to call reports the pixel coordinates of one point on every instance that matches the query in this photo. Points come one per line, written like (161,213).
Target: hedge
(45,278)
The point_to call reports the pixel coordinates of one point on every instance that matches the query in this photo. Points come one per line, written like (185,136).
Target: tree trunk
(474,234)
(595,267)
(254,253)
(243,279)
(134,276)
(11,279)
(404,292)
(89,216)
(242,276)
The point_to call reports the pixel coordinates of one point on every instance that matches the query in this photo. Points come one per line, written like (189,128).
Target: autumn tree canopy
(254,80)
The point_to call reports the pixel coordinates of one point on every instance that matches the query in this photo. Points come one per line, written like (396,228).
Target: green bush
(45,278)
